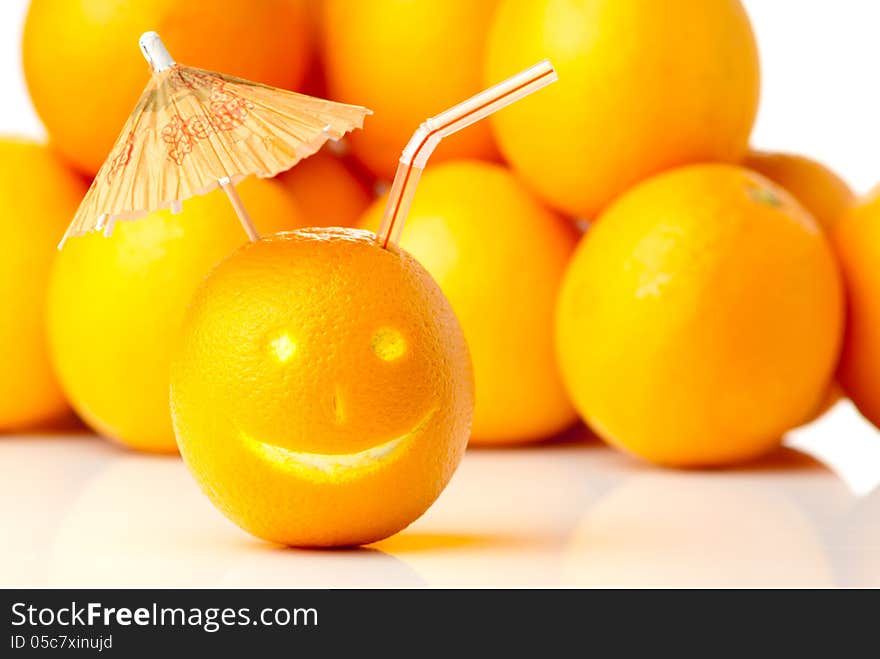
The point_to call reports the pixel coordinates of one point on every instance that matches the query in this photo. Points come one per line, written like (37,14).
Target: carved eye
(282,347)
(388,344)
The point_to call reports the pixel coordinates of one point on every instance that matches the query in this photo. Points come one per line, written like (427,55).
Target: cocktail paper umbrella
(428,135)
(193,131)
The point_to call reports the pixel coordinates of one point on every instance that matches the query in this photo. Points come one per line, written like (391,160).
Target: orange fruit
(407,61)
(38,198)
(856,239)
(700,318)
(499,257)
(326,191)
(321,389)
(314,83)
(820,191)
(643,87)
(116,303)
(85,71)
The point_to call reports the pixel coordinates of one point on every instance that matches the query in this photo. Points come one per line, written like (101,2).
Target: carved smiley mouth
(335,465)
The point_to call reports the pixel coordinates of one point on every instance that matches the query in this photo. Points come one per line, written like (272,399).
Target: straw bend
(431,132)
(477,107)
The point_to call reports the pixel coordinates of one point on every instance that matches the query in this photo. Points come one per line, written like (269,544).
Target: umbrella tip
(155,52)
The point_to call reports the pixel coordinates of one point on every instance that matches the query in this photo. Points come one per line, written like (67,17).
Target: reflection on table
(76,510)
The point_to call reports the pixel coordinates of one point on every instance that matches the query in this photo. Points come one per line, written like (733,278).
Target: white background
(821,98)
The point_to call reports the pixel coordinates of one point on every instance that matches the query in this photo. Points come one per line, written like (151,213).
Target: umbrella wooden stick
(427,137)
(159,59)
(243,216)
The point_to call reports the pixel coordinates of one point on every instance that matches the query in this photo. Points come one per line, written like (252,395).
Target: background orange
(85,72)
(37,197)
(407,61)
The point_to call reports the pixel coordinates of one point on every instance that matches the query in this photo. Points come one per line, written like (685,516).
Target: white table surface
(76,510)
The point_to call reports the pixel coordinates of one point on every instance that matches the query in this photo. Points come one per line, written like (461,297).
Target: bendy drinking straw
(428,135)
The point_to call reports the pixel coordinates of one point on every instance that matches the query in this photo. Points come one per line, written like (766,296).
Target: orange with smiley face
(321,391)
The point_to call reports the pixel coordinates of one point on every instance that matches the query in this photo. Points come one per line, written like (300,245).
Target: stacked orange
(700,318)
(38,197)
